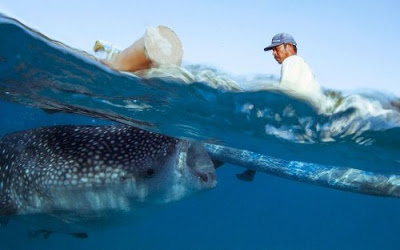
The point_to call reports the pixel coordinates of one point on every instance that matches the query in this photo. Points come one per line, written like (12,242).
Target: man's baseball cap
(279,39)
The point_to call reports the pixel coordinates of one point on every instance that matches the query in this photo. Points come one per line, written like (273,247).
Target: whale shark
(78,175)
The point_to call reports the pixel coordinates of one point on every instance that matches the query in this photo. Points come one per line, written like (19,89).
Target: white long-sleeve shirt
(297,77)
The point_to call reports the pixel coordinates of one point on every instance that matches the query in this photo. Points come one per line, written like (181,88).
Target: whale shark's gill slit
(105,145)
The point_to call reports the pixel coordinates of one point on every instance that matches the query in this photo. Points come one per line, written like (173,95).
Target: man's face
(281,52)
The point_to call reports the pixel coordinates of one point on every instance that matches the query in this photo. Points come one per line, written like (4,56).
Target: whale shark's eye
(150,172)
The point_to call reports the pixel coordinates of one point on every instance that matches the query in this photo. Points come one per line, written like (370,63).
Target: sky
(348,44)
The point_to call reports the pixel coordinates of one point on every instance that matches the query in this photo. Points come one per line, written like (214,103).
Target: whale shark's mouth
(207,178)
(202,176)
(200,164)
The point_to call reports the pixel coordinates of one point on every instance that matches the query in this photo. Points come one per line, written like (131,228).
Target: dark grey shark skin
(78,171)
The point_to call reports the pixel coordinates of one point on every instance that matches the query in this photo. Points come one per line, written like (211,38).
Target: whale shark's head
(87,168)
(189,169)
(185,170)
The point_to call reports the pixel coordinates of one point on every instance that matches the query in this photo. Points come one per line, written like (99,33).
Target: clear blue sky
(348,44)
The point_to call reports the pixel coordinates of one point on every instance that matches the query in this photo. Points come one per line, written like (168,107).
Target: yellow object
(98,46)
(105,50)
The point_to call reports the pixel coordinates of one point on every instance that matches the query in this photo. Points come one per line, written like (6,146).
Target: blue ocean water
(360,131)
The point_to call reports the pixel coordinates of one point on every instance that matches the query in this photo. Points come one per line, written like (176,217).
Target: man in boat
(296,76)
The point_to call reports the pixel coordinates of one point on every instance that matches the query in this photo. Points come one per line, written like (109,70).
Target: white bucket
(157,47)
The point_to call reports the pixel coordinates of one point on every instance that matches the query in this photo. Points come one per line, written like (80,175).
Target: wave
(359,130)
